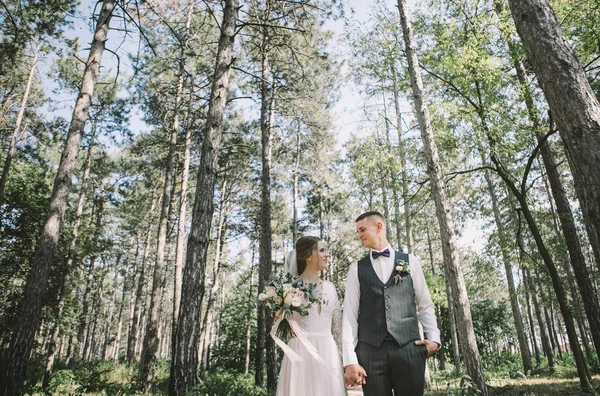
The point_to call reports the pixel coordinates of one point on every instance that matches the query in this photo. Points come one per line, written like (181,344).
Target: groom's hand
(432,347)
(355,375)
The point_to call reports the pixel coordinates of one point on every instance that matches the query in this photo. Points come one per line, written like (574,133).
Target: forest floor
(522,387)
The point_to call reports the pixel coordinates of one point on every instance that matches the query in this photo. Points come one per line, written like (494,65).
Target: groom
(386,297)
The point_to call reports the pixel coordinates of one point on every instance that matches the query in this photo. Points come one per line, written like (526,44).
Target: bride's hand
(355,375)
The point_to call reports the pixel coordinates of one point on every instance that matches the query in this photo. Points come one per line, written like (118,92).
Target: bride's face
(319,257)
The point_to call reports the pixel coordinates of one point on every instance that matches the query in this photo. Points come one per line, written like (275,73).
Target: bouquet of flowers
(284,295)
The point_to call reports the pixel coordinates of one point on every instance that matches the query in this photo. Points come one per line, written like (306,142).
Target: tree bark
(264,268)
(151,339)
(71,264)
(530,317)
(554,276)
(126,289)
(180,249)
(453,330)
(384,177)
(111,308)
(569,230)
(452,267)
(134,325)
(184,357)
(544,331)
(17,131)
(265,343)
(249,318)
(14,366)
(508,268)
(410,244)
(572,102)
(295,186)
(214,289)
(83,336)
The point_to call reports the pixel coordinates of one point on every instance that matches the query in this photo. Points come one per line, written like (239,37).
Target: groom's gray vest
(386,308)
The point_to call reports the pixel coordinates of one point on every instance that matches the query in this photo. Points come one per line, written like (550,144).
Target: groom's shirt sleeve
(350,317)
(425,307)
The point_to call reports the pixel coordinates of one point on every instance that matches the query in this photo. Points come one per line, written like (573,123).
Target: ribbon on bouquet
(301,335)
(289,352)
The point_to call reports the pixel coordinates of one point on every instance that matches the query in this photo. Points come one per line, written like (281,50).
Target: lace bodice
(328,320)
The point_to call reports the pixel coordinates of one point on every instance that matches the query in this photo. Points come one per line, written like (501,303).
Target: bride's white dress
(310,377)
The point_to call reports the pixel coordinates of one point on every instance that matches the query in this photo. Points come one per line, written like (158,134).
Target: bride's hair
(305,246)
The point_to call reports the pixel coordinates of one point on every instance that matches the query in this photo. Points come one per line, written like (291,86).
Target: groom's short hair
(371,213)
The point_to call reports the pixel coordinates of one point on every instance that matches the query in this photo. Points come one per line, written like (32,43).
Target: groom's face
(367,231)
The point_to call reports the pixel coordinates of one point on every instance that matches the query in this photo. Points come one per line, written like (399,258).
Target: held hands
(432,347)
(355,375)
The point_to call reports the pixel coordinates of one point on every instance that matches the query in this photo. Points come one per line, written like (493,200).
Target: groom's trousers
(401,368)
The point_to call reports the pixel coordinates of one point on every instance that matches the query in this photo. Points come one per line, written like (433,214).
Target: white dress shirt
(384,266)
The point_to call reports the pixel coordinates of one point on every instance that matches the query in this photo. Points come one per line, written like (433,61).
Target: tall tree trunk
(71,265)
(134,324)
(552,324)
(90,339)
(82,335)
(265,344)
(151,339)
(184,357)
(410,244)
(179,254)
(264,267)
(430,249)
(530,317)
(569,230)
(544,330)
(125,290)
(14,366)
(249,317)
(295,186)
(549,263)
(17,131)
(111,307)
(453,330)
(508,268)
(180,249)
(385,179)
(572,102)
(214,289)
(452,267)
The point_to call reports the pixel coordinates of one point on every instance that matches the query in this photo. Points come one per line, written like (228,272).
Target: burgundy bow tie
(376,254)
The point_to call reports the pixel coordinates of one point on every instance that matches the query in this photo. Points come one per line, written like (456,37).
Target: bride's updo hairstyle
(305,246)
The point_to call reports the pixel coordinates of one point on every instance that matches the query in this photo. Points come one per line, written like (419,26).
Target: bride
(321,375)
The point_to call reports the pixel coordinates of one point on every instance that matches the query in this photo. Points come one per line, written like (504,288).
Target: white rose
(287,286)
(287,300)
(262,297)
(270,291)
(296,301)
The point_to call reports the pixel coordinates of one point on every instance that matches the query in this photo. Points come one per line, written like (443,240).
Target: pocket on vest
(405,330)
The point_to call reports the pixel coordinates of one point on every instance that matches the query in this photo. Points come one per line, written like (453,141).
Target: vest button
(387,308)
(388,319)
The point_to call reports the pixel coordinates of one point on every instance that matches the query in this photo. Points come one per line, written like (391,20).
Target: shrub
(62,382)
(222,383)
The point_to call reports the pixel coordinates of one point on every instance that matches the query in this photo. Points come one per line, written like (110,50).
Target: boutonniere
(402,269)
